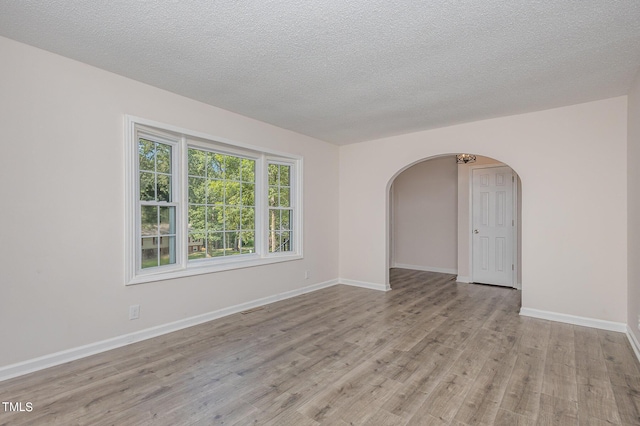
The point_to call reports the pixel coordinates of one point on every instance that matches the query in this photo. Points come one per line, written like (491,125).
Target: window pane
(167,220)
(231,243)
(274,219)
(163,158)
(248,194)
(147,186)
(229,200)
(248,170)
(285,197)
(232,168)
(164,188)
(197,161)
(196,218)
(167,250)
(274,241)
(273,174)
(231,218)
(285,244)
(149,252)
(197,238)
(215,195)
(146,155)
(215,244)
(196,246)
(197,190)
(284,175)
(285,222)
(247,242)
(215,218)
(273,196)
(232,194)
(215,168)
(148,220)
(248,218)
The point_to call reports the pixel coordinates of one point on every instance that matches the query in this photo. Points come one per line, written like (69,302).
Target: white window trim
(181,139)
(295,195)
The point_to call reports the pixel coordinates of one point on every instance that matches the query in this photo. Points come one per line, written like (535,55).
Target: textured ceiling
(350,70)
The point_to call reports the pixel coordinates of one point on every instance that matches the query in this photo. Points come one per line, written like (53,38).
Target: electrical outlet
(134,312)
(306,275)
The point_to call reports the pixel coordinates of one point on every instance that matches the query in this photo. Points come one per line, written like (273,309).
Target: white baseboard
(635,345)
(40,363)
(425,268)
(371,286)
(575,320)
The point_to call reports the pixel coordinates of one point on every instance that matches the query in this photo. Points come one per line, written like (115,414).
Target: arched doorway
(431,221)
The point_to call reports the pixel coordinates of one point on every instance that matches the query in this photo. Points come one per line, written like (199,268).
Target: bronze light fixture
(465,158)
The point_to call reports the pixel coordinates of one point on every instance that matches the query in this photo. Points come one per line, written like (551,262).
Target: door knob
(475,231)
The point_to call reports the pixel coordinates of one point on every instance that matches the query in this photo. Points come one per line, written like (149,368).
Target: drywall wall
(62,168)
(633,200)
(574,212)
(425,216)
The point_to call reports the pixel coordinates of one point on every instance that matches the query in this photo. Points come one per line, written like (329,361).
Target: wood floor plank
(508,418)
(557,411)
(628,403)
(596,399)
(561,348)
(376,392)
(431,351)
(328,402)
(444,401)
(288,418)
(477,351)
(483,400)
(410,397)
(523,391)
(560,380)
(382,417)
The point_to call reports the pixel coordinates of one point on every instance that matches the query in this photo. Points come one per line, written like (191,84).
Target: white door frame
(516,266)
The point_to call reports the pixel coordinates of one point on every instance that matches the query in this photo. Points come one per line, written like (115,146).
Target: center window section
(221,216)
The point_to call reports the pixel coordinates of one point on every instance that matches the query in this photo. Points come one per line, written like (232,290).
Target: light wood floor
(430,352)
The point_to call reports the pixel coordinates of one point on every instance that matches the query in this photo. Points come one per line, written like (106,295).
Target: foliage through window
(221,204)
(157,214)
(280,210)
(198,206)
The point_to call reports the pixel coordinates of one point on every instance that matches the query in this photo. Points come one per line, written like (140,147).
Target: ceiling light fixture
(465,158)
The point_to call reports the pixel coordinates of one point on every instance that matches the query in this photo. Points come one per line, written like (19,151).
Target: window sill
(204,267)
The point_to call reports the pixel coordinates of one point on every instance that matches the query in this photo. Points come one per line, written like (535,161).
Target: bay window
(198,204)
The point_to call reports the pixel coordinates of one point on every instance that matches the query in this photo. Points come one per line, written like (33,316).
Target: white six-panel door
(493,226)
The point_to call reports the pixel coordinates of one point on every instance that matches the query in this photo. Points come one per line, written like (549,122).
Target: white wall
(425,216)
(574,210)
(633,193)
(62,192)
